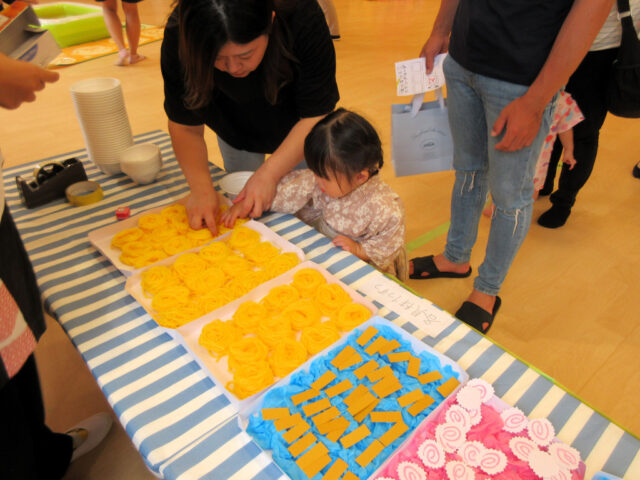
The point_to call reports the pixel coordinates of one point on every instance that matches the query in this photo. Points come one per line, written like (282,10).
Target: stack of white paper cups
(99,104)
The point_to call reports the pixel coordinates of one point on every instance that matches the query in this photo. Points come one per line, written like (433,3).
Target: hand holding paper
(412,77)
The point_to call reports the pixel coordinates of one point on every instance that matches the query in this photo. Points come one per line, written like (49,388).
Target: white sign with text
(412,78)
(426,316)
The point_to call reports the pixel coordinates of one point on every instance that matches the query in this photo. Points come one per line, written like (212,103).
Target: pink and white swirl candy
(469,398)
(485,388)
(543,464)
(459,471)
(565,455)
(410,471)
(476,416)
(541,431)
(450,436)
(471,452)
(563,474)
(384,478)
(522,447)
(493,461)
(514,420)
(431,454)
(457,414)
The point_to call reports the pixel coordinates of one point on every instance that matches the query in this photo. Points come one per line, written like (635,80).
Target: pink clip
(122,213)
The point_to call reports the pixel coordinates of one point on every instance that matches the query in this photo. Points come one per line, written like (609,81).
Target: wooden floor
(571,301)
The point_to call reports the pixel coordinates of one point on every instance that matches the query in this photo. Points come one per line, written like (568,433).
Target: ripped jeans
(474,103)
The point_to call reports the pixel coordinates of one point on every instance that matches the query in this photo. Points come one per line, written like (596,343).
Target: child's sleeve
(385,235)
(293,191)
(570,114)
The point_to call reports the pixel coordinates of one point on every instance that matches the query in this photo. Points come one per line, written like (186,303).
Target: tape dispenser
(50,181)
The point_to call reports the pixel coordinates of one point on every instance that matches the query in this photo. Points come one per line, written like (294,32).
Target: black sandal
(477,317)
(427,265)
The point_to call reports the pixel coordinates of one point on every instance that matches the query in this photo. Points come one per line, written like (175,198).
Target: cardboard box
(22,38)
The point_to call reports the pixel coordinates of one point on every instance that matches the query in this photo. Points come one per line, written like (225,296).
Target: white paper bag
(420,138)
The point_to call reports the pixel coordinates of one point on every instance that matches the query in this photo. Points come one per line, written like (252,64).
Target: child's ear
(362,177)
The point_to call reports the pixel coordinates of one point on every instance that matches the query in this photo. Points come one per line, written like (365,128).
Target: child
(565,116)
(132,19)
(342,195)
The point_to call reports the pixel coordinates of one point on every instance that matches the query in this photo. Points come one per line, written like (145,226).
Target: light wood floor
(572,297)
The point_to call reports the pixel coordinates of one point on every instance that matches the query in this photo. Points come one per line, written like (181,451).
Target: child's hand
(345,243)
(229,217)
(569,160)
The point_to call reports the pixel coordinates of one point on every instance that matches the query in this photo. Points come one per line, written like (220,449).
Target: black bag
(623,90)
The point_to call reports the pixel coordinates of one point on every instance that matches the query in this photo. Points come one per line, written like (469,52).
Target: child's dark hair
(343,142)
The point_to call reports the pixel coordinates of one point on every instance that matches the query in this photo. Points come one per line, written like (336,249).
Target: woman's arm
(566,138)
(191,152)
(258,193)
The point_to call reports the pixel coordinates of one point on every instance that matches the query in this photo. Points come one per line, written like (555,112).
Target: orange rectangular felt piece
(377,344)
(325,379)
(413,369)
(380,373)
(365,369)
(275,413)
(360,416)
(409,398)
(357,392)
(315,452)
(354,437)
(369,453)
(387,386)
(298,398)
(420,405)
(367,335)
(326,416)
(335,428)
(429,377)
(350,476)
(336,470)
(315,407)
(312,468)
(447,387)
(302,444)
(295,432)
(360,403)
(399,357)
(393,433)
(339,388)
(389,347)
(347,357)
(287,422)
(386,417)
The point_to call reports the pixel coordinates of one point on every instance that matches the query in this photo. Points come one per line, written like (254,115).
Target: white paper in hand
(412,78)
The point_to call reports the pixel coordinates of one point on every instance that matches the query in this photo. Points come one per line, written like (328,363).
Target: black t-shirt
(506,39)
(239,112)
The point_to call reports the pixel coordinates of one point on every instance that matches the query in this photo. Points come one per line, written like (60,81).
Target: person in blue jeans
(507,60)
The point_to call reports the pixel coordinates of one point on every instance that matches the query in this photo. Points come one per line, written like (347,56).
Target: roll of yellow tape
(84,193)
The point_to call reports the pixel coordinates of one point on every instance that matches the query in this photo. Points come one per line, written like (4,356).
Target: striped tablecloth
(178,418)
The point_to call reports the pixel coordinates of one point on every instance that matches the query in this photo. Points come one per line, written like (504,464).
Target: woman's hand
(257,195)
(230,216)
(202,210)
(351,246)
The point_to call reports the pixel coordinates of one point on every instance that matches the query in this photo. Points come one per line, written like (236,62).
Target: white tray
(101,237)
(417,346)
(219,369)
(134,282)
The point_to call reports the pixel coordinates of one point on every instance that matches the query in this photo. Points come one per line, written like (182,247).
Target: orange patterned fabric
(17,341)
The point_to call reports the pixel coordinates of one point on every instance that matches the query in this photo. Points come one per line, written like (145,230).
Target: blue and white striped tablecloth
(178,418)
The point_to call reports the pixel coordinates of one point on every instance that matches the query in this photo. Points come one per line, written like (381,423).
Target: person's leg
(132,21)
(114,26)
(236,160)
(587,86)
(28,449)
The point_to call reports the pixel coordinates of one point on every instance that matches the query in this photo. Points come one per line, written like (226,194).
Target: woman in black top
(257,72)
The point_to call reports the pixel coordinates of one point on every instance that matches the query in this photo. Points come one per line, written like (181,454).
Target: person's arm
(566,138)
(258,193)
(438,41)
(20,80)
(190,149)
(522,117)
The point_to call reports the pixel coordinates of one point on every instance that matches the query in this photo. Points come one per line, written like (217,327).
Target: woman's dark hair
(205,26)
(343,142)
